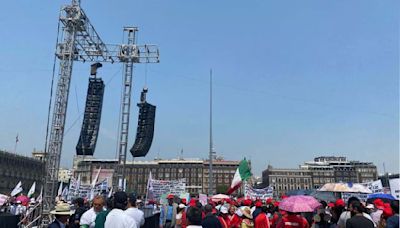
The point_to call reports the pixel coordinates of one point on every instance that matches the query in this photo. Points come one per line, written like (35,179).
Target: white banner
(374,186)
(254,193)
(395,187)
(156,188)
(362,196)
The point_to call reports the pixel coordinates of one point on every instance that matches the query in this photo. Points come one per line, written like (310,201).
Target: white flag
(40,197)
(110,193)
(32,190)
(60,188)
(95,179)
(64,193)
(17,189)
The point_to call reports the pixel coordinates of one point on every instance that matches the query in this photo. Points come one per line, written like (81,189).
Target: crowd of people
(124,210)
(121,211)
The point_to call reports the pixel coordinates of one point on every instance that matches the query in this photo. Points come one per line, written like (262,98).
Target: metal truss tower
(80,42)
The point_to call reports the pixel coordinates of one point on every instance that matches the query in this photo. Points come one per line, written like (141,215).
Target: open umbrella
(345,187)
(299,204)
(24,199)
(219,197)
(325,196)
(387,198)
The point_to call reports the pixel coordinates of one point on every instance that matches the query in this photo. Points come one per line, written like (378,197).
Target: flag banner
(258,193)
(395,187)
(374,186)
(86,191)
(156,188)
(362,196)
(32,189)
(17,189)
(202,199)
(60,188)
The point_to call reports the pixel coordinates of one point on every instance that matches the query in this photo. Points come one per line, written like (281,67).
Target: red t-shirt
(261,221)
(293,221)
(235,221)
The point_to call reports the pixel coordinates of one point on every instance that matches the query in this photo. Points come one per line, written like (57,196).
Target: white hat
(370,206)
(223,210)
(62,209)
(181,205)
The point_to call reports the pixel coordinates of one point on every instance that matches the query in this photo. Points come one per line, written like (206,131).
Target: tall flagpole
(210,171)
(16,142)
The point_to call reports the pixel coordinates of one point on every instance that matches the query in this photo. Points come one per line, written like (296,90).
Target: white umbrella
(345,187)
(219,197)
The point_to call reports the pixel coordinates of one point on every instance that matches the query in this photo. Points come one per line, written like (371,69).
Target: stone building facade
(195,171)
(15,168)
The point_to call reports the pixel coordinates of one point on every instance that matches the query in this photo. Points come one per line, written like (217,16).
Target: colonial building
(329,169)
(195,171)
(15,168)
(284,180)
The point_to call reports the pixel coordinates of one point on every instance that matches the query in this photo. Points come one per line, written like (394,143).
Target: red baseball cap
(170,196)
(258,204)
(340,203)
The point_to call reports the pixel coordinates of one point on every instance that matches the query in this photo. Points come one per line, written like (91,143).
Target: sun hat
(62,209)
(247,212)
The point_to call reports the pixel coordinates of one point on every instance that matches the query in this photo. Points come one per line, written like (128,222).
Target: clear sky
(293,79)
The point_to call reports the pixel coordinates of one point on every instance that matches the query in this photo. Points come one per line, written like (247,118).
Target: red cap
(331,205)
(269,200)
(170,196)
(284,196)
(340,203)
(379,204)
(387,212)
(276,204)
(258,204)
(192,203)
(246,202)
(183,200)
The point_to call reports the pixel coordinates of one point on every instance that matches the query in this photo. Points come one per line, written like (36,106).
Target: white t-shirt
(118,218)
(136,214)
(88,218)
(347,215)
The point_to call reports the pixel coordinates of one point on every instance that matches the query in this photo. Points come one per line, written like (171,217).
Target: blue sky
(292,79)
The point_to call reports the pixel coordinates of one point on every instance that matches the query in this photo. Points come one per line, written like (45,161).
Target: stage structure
(145,128)
(79,41)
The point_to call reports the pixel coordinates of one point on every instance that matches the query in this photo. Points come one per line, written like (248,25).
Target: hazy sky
(293,79)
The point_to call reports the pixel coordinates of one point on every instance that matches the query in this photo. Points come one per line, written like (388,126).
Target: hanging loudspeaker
(145,128)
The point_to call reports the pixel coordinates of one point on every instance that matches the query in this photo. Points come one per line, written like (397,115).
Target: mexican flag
(242,173)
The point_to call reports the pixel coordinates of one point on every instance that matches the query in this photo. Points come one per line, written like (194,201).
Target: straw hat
(62,209)
(247,212)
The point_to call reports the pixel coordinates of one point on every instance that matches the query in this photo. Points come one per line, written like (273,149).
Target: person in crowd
(387,212)
(358,220)
(20,209)
(322,219)
(247,221)
(117,217)
(133,211)
(234,219)
(62,212)
(393,221)
(257,210)
(347,213)
(88,218)
(337,210)
(293,220)
(210,220)
(377,213)
(223,216)
(194,217)
(179,215)
(74,221)
(262,220)
(168,213)
(101,217)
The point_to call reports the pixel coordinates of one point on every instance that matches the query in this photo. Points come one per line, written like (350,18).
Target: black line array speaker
(145,128)
(91,120)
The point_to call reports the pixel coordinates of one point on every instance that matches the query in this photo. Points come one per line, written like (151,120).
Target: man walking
(117,217)
(168,213)
(133,211)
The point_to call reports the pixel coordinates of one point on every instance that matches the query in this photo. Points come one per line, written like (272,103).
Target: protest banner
(374,186)
(203,199)
(254,193)
(157,188)
(395,187)
(362,196)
